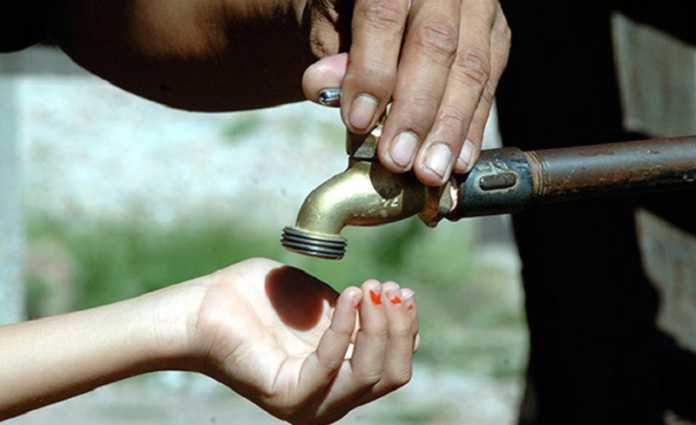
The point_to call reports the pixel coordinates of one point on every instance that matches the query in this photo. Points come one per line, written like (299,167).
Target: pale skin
(281,338)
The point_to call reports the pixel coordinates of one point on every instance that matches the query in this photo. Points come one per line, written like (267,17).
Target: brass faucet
(365,194)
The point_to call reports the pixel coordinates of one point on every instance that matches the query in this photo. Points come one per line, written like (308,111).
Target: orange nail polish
(395,300)
(376,299)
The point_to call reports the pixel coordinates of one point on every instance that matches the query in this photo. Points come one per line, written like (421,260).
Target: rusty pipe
(508,180)
(503,181)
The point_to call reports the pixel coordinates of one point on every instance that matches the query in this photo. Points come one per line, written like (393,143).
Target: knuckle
(368,378)
(438,40)
(331,365)
(490,9)
(380,332)
(382,15)
(506,33)
(399,379)
(400,331)
(452,119)
(404,378)
(472,67)
(340,332)
(377,80)
(488,94)
(423,102)
(419,109)
(503,21)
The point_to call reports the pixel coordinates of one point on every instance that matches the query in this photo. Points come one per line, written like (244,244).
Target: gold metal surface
(366,194)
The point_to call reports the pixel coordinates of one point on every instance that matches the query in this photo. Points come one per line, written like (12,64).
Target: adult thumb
(322,80)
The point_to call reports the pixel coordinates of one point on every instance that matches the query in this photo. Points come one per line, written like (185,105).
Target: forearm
(52,359)
(200,55)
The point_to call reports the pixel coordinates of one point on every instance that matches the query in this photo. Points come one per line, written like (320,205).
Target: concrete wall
(11,290)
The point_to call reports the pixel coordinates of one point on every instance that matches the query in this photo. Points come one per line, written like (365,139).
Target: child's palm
(280,337)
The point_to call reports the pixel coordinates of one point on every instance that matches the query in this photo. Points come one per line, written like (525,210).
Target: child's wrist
(173,313)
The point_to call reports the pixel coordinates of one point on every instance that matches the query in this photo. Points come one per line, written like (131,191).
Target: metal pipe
(503,181)
(508,180)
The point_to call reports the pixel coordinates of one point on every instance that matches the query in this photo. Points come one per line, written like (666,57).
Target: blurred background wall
(658,77)
(11,288)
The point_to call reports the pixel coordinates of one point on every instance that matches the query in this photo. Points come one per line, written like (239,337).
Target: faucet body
(503,181)
(365,194)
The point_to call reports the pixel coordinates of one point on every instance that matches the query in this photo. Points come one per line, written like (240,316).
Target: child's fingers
(402,332)
(368,357)
(383,349)
(409,299)
(353,337)
(320,368)
(364,370)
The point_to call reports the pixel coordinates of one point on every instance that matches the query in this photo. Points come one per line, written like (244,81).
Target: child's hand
(270,332)
(281,338)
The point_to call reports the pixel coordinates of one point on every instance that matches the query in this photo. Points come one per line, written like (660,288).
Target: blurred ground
(123,196)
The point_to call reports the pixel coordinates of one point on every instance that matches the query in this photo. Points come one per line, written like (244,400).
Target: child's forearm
(52,359)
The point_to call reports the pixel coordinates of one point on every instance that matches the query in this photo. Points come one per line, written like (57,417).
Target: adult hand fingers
(500,50)
(468,77)
(377,32)
(428,54)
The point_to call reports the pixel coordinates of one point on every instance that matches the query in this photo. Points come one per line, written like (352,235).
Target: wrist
(172,315)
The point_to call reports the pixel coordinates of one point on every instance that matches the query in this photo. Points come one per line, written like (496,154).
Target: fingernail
(330,97)
(375,297)
(363,111)
(438,159)
(354,298)
(394,298)
(464,162)
(407,294)
(403,148)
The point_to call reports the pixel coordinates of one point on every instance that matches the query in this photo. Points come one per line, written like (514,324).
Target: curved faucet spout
(364,195)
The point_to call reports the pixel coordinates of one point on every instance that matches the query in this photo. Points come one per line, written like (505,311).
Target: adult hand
(437,61)
(281,338)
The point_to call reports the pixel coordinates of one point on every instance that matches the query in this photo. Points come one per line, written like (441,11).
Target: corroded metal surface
(658,164)
(508,180)
(500,183)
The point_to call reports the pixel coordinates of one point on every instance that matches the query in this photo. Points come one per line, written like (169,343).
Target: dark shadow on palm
(297,297)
